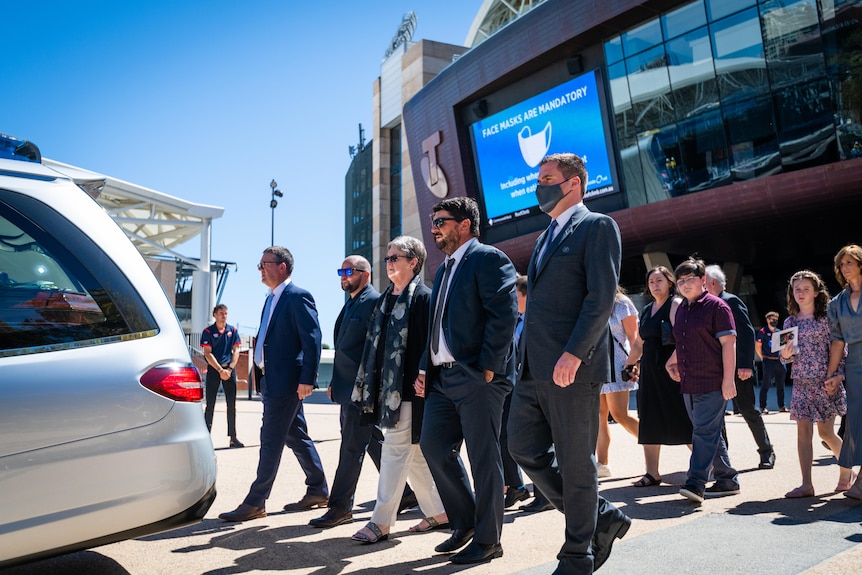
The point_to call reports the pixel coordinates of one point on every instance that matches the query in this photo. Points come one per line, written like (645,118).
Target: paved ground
(758,531)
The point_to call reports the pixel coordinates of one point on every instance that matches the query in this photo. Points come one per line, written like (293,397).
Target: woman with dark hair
(845,323)
(662,414)
(397,337)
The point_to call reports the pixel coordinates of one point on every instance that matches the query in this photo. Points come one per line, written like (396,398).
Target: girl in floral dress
(807,301)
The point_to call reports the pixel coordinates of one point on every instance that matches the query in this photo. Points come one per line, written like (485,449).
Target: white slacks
(401,460)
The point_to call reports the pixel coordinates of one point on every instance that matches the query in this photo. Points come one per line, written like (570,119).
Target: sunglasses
(440,222)
(394,258)
(262,265)
(349,271)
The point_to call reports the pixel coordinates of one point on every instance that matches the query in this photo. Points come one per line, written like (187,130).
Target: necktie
(441,303)
(261,333)
(549,237)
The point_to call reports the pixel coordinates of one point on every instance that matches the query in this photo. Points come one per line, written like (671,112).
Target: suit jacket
(351,328)
(481,311)
(292,346)
(570,297)
(744,331)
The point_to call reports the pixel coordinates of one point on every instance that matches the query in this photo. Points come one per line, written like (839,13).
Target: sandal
(799,492)
(430,525)
(377,534)
(845,485)
(647,481)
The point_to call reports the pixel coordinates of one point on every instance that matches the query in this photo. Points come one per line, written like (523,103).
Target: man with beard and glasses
(469,369)
(571,283)
(774,371)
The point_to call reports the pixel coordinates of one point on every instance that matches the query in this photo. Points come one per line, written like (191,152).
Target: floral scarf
(382,399)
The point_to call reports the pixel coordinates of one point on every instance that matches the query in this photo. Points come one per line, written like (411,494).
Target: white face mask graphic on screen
(534,146)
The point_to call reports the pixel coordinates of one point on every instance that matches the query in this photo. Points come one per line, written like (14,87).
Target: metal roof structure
(155,222)
(493,15)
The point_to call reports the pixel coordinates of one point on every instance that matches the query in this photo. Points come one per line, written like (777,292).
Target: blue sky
(209,100)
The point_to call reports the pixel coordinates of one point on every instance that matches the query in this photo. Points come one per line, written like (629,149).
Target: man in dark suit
(746,377)
(286,359)
(350,330)
(470,367)
(571,282)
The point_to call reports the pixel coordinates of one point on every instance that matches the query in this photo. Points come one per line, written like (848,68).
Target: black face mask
(549,196)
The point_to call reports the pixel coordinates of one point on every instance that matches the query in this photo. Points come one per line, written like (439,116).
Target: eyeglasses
(393,258)
(682,281)
(349,271)
(440,222)
(262,265)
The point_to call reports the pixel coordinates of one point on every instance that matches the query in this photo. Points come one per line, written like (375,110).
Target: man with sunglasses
(351,327)
(286,361)
(469,368)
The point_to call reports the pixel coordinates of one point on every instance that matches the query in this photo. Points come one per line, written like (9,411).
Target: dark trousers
(511,472)
(356,440)
(461,407)
(774,373)
(284,424)
(545,415)
(751,415)
(212,383)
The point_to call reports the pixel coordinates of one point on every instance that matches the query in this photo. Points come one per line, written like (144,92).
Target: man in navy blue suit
(286,359)
(571,283)
(469,370)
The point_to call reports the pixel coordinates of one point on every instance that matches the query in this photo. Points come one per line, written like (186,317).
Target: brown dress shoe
(244,512)
(308,502)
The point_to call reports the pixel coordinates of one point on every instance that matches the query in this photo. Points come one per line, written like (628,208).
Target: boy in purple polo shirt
(704,363)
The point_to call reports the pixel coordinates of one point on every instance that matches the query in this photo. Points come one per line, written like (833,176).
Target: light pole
(272,204)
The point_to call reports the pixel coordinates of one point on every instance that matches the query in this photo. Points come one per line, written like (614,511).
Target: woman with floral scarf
(397,336)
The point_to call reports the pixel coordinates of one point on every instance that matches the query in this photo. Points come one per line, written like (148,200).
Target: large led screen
(510,144)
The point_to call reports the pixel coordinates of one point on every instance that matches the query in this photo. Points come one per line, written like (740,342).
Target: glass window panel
(806,129)
(843,48)
(692,72)
(613,50)
(626,134)
(751,138)
(703,145)
(683,19)
(641,38)
(649,87)
(655,163)
(721,8)
(740,65)
(791,39)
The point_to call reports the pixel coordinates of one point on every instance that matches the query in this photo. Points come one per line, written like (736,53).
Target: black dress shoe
(307,502)
(602,542)
(235,443)
(537,505)
(767,462)
(515,494)
(331,518)
(459,538)
(408,502)
(244,512)
(477,553)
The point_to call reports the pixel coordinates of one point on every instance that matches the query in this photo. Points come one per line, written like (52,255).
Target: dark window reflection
(752,140)
(705,161)
(806,130)
(842,38)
